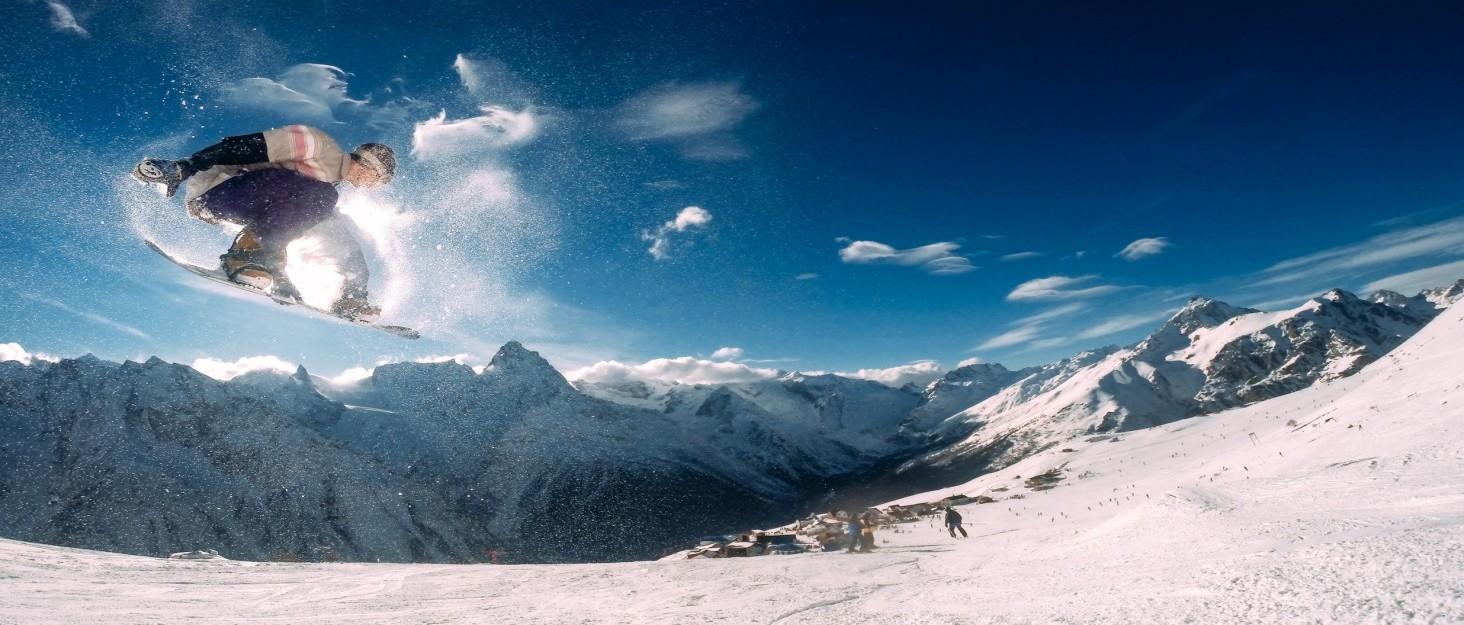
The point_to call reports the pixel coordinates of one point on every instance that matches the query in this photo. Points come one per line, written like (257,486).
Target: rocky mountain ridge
(439,462)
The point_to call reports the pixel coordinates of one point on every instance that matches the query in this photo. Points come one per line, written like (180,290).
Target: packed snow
(1340,503)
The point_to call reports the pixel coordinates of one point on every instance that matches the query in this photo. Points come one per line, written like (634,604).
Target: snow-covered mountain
(861,414)
(1339,503)
(1208,357)
(418,462)
(441,462)
(154,457)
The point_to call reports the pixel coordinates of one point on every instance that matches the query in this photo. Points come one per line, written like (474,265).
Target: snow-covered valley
(1342,502)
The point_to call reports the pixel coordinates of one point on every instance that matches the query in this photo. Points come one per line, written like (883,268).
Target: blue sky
(711,191)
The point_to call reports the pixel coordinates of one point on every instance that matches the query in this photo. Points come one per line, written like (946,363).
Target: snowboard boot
(356,309)
(248,262)
(158,171)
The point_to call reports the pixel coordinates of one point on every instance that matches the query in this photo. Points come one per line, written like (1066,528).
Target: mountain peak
(513,354)
(1445,295)
(1203,312)
(513,360)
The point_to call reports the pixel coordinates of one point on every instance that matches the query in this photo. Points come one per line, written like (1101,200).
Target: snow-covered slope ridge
(439,462)
(419,462)
(1208,357)
(1340,503)
(155,458)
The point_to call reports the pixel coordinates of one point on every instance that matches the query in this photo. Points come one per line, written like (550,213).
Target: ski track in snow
(1356,515)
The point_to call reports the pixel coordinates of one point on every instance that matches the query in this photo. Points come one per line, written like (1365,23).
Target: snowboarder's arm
(309,151)
(240,150)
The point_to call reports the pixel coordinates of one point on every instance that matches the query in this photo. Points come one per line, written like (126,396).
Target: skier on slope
(277,185)
(953,522)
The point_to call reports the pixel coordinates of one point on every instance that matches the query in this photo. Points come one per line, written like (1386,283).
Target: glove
(169,174)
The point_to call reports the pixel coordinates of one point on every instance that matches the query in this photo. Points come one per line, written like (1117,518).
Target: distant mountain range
(437,462)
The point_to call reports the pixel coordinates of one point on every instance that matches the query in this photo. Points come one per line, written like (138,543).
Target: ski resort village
(1236,466)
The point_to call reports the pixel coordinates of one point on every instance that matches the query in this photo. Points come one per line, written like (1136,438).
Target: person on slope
(953,522)
(277,185)
(853,531)
(866,536)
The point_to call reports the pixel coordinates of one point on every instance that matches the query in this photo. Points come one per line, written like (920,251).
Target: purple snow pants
(279,205)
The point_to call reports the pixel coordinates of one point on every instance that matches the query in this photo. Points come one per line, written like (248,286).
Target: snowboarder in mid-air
(277,185)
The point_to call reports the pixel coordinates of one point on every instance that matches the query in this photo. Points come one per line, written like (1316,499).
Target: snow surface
(1340,503)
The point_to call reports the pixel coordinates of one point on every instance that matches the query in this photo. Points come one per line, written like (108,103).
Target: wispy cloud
(684,370)
(228,370)
(698,117)
(691,217)
(804,277)
(491,80)
(1414,281)
(497,128)
(1030,328)
(1059,288)
(63,20)
(1438,240)
(316,94)
(89,316)
(918,373)
(937,259)
(1016,336)
(1143,248)
(1120,323)
(1021,256)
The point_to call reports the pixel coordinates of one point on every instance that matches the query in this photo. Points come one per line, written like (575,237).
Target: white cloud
(1414,281)
(678,111)
(1057,288)
(498,128)
(62,19)
(1144,247)
(806,276)
(697,117)
(1123,322)
(225,370)
(727,353)
(268,95)
(684,370)
(919,373)
(936,259)
(1021,256)
(1014,337)
(1056,341)
(689,218)
(13,351)
(1028,329)
(309,92)
(352,376)
(1441,239)
(1054,313)
(968,362)
(316,94)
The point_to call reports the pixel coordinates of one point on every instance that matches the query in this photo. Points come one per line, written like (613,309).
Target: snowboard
(218,276)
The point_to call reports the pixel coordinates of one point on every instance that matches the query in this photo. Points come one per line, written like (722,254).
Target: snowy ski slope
(1341,503)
